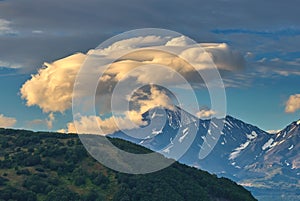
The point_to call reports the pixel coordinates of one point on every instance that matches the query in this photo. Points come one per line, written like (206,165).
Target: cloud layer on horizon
(6,122)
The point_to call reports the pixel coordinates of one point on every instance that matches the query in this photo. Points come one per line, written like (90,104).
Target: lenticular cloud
(51,88)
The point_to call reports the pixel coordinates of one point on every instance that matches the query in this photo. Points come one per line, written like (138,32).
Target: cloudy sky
(256,44)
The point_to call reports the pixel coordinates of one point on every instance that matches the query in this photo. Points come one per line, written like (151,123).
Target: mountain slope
(49,166)
(284,146)
(232,144)
(267,164)
(279,167)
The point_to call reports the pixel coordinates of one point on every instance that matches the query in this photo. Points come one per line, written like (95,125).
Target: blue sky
(266,33)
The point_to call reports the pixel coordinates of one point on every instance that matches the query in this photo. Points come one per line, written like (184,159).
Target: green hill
(56,167)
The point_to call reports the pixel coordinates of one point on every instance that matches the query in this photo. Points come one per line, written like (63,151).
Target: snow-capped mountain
(227,147)
(279,166)
(283,148)
(232,144)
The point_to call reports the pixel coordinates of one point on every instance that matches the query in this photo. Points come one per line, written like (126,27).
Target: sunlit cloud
(52,87)
(292,104)
(48,122)
(205,113)
(131,119)
(6,122)
(96,125)
(274,66)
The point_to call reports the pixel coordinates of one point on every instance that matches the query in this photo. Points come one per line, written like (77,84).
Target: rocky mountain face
(227,147)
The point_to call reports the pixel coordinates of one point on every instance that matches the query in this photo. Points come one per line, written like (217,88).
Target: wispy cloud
(5,27)
(289,31)
(7,121)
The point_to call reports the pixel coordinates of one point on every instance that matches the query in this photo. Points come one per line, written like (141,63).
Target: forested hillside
(56,167)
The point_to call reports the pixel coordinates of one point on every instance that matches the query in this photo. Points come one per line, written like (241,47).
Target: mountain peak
(176,117)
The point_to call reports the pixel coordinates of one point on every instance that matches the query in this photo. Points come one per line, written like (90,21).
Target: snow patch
(237,151)
(252,136)
(213,123)
(291,147)
(298,122)
(268,144)
(287,163)
(184,132)
(284,134)
(167,150)
(153,115)
(229,124)
(292,129)
(196,125)
(155,132)
(146,138)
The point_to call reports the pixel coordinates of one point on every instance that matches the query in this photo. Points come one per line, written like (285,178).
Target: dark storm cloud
(30,52)
(48,30)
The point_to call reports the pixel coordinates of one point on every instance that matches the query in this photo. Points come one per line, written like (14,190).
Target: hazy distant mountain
(242,152)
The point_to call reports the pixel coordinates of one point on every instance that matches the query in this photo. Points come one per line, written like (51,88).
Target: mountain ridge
(242,152)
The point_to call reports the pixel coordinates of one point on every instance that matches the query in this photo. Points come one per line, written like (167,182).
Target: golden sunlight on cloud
(47,122)
(131,119)
(95,125)
(52,87)
(292,104)
(6,122)
(205,113)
